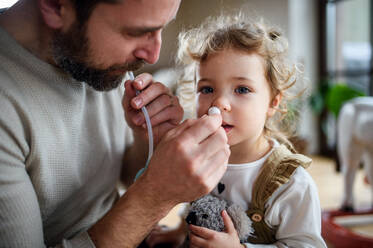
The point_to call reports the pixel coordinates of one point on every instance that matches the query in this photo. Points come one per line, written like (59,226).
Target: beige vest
(276,171)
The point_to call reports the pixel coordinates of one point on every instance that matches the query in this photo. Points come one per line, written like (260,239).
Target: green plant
(338,95)
(331,96)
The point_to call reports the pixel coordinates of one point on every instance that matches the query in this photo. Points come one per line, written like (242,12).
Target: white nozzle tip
(130,74)
(214,111)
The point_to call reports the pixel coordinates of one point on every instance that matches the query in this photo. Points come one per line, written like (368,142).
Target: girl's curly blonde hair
(241,33)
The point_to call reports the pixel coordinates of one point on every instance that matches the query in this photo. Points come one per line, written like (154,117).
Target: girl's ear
(53,12)
(274,105)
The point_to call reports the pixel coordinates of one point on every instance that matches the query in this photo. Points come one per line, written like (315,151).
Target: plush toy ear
(241,221)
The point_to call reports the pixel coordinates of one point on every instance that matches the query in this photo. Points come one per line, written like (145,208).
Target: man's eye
(136,34)
(242,90)
(206,90)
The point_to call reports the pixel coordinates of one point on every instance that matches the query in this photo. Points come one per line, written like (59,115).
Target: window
(345,56)
(7,3)
(348,43)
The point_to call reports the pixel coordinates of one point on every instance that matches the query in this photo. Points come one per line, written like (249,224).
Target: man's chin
(116,73)
(107,84)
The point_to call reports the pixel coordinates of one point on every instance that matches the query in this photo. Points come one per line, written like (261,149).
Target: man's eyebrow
(148,29)
(143,29)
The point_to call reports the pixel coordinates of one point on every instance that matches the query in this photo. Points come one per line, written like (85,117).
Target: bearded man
(70,131)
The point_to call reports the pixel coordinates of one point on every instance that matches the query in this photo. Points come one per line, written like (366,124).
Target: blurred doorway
(345,57)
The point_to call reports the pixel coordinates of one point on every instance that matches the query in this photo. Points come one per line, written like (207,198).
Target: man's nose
(149,50)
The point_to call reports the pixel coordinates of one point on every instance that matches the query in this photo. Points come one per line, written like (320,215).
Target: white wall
(303,37)
(193,12)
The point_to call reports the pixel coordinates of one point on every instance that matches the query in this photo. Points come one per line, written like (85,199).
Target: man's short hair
(84,8)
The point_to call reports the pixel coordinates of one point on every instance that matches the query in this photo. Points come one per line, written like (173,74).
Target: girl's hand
(164,236)
(204,238)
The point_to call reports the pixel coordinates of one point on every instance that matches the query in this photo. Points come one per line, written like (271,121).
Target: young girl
(241,68)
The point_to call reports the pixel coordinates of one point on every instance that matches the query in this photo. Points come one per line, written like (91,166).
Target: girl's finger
(229,226)
(196,241)
(202,232)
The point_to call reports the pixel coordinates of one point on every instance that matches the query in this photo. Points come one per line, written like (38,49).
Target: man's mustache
(131,66)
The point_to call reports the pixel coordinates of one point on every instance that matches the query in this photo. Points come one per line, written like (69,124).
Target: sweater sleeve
(295,210)
(21,222)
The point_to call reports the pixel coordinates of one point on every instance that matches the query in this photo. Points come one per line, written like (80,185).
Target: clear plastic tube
(150,132)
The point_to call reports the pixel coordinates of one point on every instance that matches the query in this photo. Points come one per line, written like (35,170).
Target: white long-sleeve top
(294,209)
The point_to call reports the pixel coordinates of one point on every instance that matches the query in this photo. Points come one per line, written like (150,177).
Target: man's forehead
(141,13)
(159,9)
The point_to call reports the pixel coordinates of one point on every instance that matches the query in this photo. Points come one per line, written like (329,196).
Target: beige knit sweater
(61,147)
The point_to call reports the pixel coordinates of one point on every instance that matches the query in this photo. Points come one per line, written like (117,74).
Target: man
(63,140)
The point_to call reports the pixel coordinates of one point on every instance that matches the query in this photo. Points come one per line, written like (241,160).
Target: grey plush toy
(206,212)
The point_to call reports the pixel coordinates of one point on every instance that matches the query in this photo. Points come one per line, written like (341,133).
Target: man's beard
(71,53)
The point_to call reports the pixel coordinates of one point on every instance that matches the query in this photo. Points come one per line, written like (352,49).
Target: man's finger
(215,174)
(203,127)
(162,102)
(177,131)
(171,114)
(215,142)
(193,246)
(149,94)
(129,93)
(142,81)
(220,157)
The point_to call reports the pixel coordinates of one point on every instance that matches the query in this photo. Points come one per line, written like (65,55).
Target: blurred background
(331,40)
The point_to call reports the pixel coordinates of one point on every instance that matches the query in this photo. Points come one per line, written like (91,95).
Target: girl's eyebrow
(238,78)
(204,80)
(243,79)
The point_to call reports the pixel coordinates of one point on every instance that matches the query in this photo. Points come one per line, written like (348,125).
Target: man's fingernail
(137,101)
(138,82)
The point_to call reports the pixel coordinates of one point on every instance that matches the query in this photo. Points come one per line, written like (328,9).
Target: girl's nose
(149,50)
(222,103)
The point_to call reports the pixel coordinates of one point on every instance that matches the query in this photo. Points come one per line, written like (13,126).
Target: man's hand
(188,162)
(163,108)
(204,238)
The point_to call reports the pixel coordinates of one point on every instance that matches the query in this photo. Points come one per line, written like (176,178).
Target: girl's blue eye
(206,90)
(242,90)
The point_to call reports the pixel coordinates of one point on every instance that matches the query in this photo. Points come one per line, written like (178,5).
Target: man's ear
(274,104)
(53,12)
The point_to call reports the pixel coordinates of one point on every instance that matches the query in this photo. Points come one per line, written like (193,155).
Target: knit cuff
(82,240)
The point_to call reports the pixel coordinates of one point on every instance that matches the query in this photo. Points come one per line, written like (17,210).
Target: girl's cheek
(200,112)
(201,108)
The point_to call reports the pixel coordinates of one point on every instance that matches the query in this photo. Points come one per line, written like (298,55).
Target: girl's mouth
(227,127)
